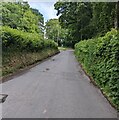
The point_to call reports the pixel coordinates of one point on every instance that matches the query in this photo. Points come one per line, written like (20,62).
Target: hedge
(100,59)
(21,49)
(24,40)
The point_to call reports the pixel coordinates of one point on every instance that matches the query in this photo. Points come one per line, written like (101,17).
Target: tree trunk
(117,16)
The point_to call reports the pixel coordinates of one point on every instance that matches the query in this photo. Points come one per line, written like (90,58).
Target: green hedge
(100,58)
(21,49)
(24,40)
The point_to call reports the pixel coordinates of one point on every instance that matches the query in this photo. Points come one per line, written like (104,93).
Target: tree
(55,32)
(40,19)
(71,18)
(21,16)
(103,17)
(85,20)
(117,15)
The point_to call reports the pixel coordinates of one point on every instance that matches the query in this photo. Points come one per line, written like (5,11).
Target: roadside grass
(14,61)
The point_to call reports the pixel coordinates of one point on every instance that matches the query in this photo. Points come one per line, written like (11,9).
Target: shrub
(24,40)
(21,49)
(100,58)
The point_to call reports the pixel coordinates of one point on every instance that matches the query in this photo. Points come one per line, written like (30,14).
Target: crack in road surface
(61,92)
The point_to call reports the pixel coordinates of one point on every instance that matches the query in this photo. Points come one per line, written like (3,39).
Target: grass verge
(14,61)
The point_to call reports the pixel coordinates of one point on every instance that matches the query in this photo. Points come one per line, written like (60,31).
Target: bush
(100,58)
(21,49)
(24,41)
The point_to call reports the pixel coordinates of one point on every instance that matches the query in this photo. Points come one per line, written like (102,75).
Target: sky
(45,8)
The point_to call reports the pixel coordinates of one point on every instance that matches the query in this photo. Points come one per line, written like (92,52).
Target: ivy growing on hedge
(100,58)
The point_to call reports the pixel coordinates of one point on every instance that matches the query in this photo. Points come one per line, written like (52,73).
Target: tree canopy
(21,16)
(55,32)
(86,20)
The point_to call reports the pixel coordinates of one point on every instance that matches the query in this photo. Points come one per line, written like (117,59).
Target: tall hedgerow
(100,58)
(24,41)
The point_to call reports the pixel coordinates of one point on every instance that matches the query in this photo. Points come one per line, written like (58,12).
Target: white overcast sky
(45,8)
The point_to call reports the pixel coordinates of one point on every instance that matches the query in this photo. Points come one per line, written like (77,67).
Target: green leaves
(100,58)
(24,41)
(85,20)
(75,16)
(22,37)
(21,16)
(55,32)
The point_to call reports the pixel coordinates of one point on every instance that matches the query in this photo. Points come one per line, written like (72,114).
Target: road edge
(21,71)
(94,84)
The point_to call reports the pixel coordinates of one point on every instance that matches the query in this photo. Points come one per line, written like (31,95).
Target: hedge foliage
(33,42)
(100,58)
(21,49)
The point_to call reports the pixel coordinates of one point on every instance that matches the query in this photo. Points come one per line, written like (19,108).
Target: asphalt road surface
(56,88)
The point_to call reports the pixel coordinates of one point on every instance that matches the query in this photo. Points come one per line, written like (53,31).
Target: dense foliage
(24,41)
(100,58)
(55,32)
(22,35)
(83,18)
(22,28)
(21,16)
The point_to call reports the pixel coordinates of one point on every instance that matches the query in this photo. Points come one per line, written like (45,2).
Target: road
(56,88)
